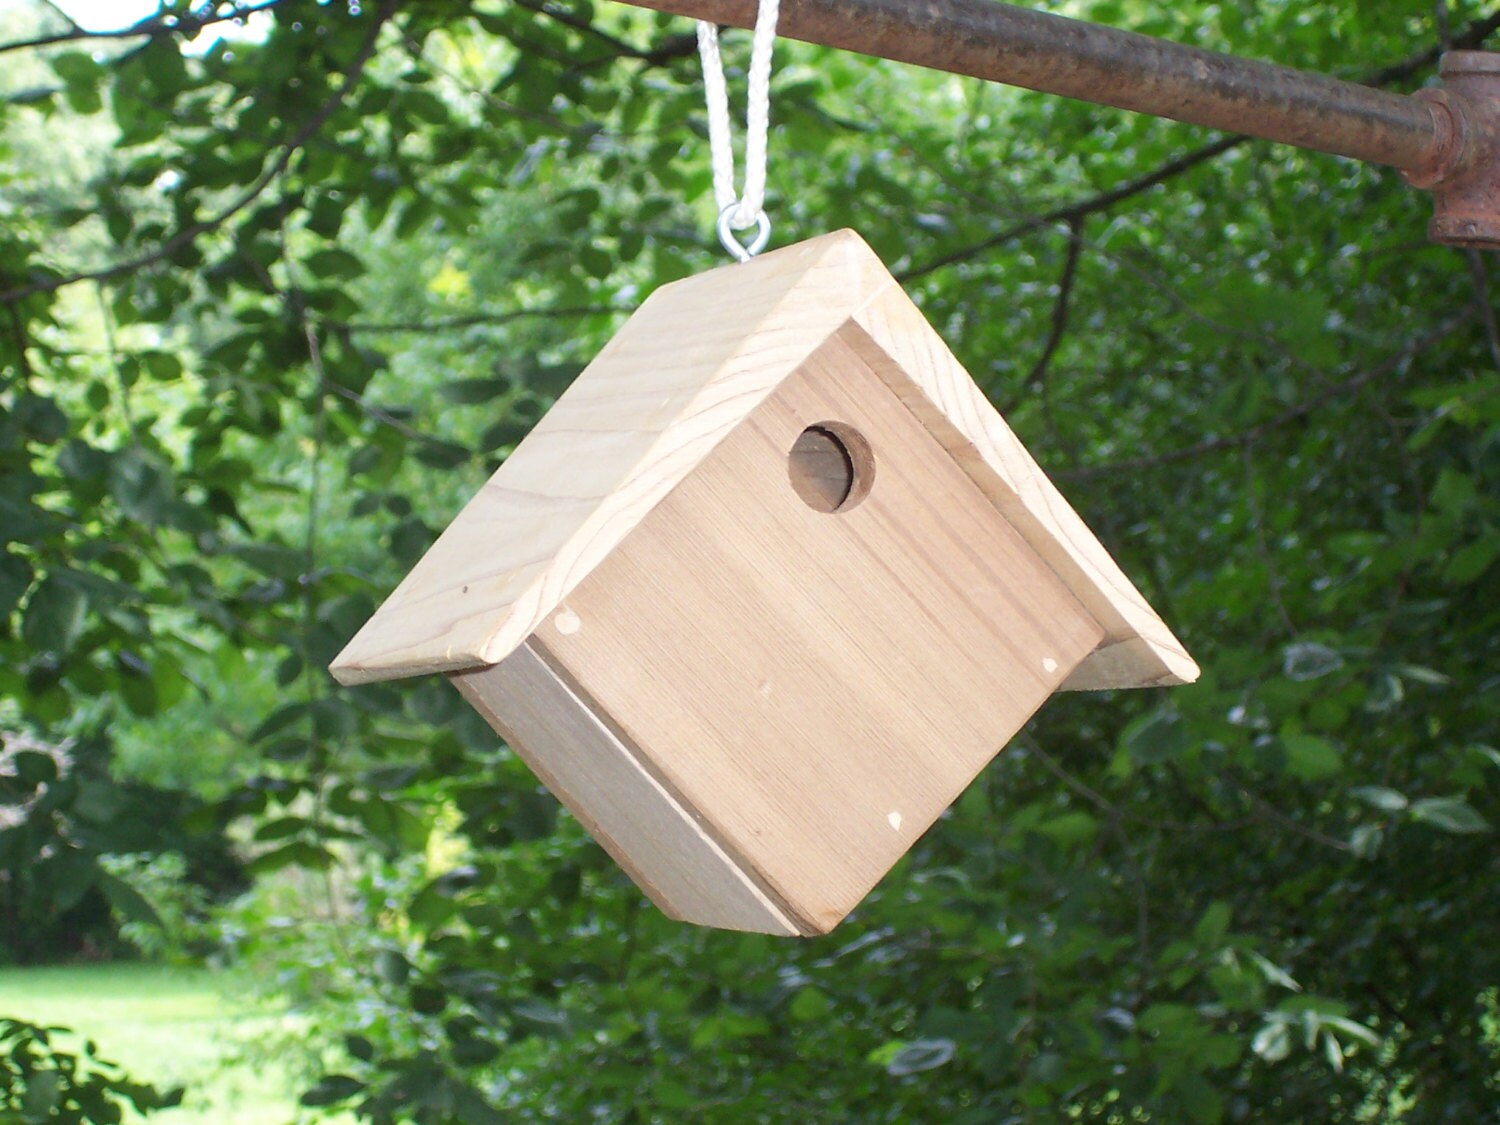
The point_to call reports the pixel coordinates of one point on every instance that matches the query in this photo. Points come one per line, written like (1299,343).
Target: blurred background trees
(280,284)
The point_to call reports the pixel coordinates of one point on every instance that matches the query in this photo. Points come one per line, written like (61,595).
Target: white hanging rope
(747,209)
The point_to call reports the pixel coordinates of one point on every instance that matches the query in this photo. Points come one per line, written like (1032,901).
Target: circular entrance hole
(831,467)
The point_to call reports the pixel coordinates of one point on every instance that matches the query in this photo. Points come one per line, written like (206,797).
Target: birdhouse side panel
(602,782)
(1138,649)
(818,685)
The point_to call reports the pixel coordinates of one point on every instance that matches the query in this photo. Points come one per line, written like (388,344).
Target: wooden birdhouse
(765,590)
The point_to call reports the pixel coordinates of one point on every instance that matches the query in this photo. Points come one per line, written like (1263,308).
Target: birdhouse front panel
(765,589)
(815,645)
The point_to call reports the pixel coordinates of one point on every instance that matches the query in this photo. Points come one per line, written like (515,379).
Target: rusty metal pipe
(1426,138)
(1056,55)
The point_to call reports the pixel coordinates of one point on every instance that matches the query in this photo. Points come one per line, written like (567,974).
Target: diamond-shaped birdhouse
(765,590)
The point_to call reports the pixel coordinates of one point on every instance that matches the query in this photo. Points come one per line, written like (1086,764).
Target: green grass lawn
(170,1026)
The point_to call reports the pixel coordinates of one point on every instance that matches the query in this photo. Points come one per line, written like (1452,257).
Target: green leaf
(1273,1042)
(1311,758)
(141,486)
(128,902)
(1214,925)
(34,768)
(81,76)
(1308,660)
(42,1093)
(470,1106)
(1157,736)
(1333,1052)
(270,560)
(427,999)
(1451,814)
(921,1055)
(1469,563)
(1274,972)
(598,263)
(392,967)
(432,906)
(470,392)
(442,454)
(1204,1104)
(1379,797)
(552,380)
(331,1090)
(1419,674)
(15,580)
(506,432)
(1353,1030)
(540,1017)
(70,875)
(810,1005)
(297,853)
(334,264)
(55,615)
(1070,829)
(1366,839)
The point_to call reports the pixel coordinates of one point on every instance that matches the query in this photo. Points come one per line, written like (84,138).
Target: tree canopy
(282,281)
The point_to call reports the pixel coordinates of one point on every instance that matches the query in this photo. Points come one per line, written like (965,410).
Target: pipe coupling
(1463,173)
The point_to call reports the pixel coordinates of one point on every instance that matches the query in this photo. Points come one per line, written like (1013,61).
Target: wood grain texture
(602,782)
(683,372)
(1138,649)
(818,686)
(697,359)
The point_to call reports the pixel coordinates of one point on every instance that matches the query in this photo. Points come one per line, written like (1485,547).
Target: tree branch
(1113,818)
(1074,212)
(1290,822)
(188,234)
(1479,268)
(674,47)
(473,320)
(386,418)
(1473,36)
(1060,307)
(18,334)
(154,27)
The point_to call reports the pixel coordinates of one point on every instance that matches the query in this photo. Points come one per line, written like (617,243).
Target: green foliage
(319,277)
(63,815)
(41,1082)
(164,913)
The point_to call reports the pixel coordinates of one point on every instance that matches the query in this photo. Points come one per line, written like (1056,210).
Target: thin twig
(1073,212)
(1479,270)
(676,46)
(1114,822)
(1060,307)
(472,320)
(1274,580)
(386,418)
(114,363)
(18,334)
(1055,768)
(1292,823)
